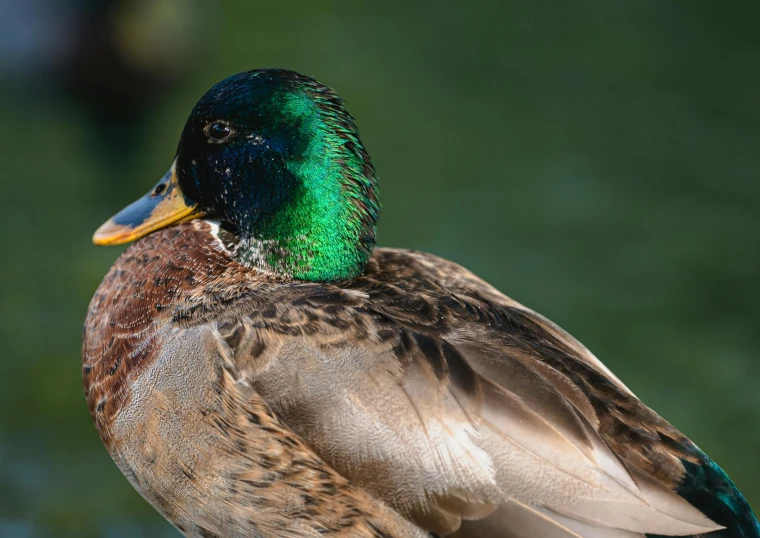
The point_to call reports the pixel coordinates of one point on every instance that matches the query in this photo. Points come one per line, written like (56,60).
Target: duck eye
(218,131)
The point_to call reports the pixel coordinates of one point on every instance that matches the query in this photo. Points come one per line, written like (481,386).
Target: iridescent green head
(275,157)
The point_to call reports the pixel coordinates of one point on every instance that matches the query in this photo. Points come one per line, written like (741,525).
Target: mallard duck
(257,368)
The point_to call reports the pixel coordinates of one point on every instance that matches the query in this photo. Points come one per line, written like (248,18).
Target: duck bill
(163,206)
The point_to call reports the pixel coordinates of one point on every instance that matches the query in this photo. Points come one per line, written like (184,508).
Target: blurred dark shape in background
(596,161)
(115,60)
(123,58)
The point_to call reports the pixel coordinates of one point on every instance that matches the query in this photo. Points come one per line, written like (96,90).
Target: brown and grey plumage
(255,373)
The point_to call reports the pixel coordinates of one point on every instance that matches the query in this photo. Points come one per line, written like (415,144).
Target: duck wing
(466,412)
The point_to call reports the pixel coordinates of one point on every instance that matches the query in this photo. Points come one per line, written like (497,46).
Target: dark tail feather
(708,488)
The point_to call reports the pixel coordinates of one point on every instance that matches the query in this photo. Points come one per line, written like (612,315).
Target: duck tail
(707,487)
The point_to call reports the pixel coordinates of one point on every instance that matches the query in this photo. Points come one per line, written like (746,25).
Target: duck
(257,367)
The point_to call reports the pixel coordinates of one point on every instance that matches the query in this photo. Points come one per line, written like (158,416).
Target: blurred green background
(596,160)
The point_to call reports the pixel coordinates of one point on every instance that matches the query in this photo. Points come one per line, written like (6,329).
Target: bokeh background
(598,161)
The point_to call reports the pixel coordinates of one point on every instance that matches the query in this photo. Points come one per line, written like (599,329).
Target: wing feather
(459,407)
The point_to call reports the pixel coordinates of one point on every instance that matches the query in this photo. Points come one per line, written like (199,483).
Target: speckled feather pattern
(413,398)
(220,464)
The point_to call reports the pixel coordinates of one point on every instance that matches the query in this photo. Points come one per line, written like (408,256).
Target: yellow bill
(163,206)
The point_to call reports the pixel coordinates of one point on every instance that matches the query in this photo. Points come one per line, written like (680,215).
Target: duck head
(275,158)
